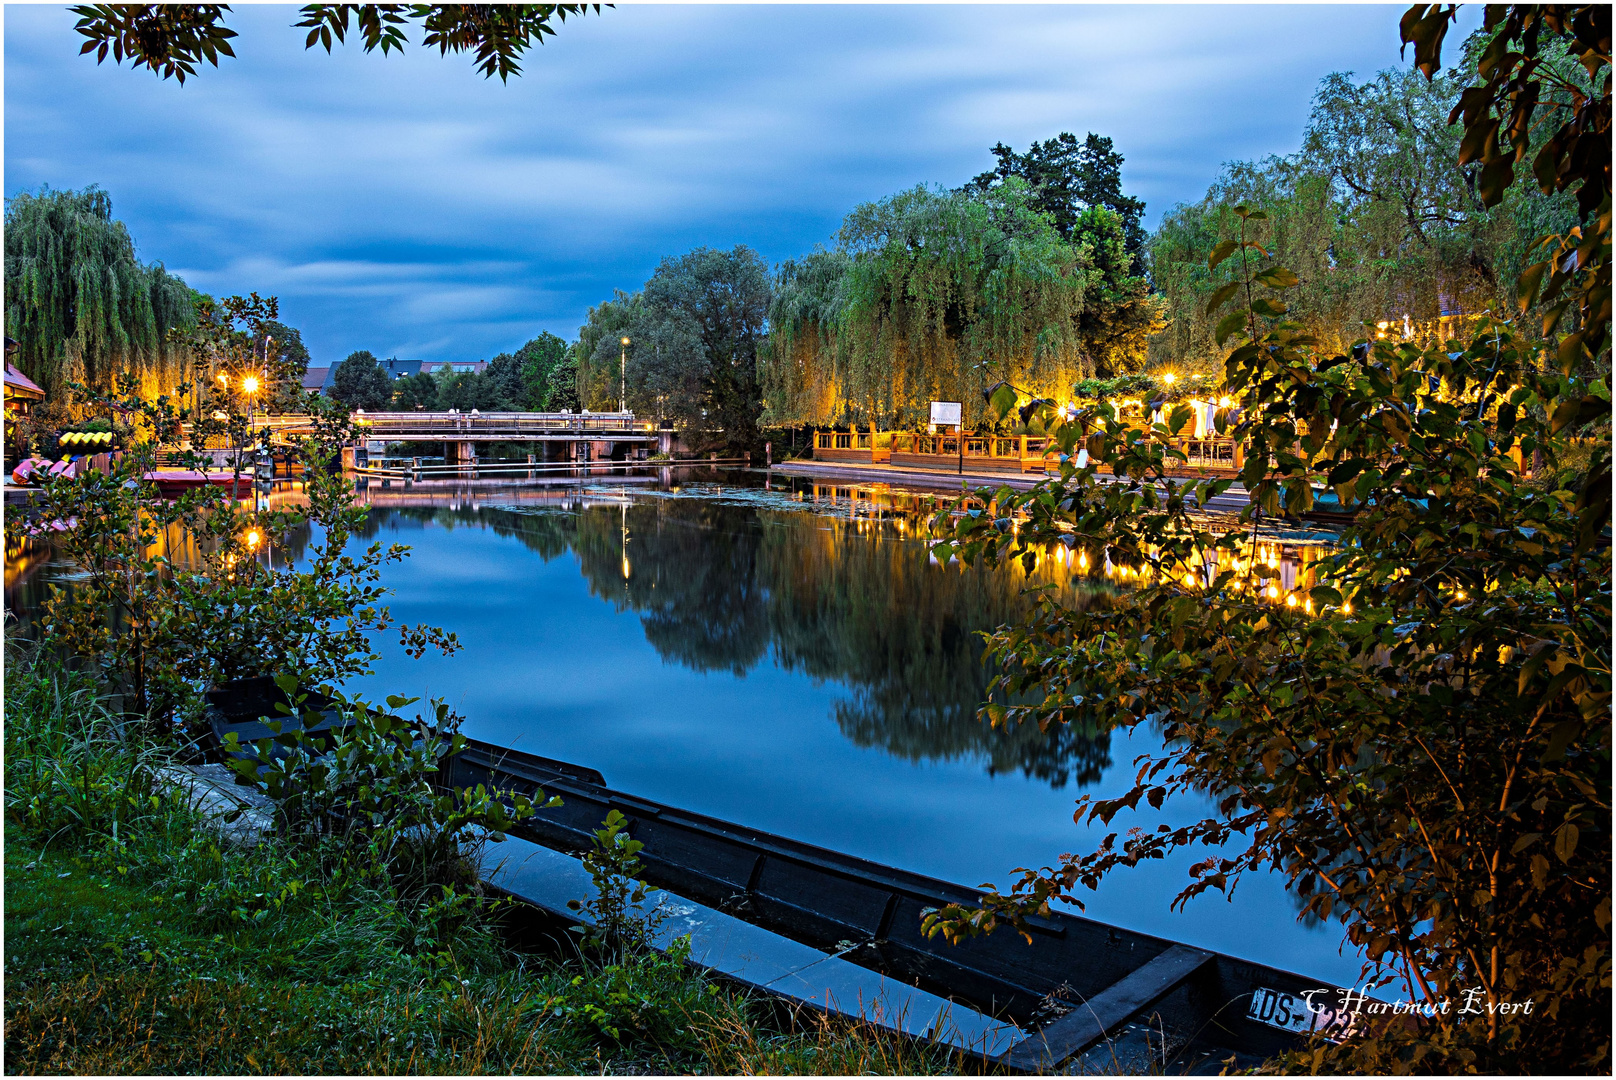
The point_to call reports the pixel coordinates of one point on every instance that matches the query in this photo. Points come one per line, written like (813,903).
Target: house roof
(20,385)
(314,378)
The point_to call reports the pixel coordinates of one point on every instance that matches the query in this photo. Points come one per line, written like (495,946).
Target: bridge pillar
(459,453)
(664,442)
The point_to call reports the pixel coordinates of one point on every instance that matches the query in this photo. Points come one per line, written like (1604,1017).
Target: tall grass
(139,939)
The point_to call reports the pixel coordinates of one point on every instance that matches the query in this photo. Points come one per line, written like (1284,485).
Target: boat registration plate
(1295,1013)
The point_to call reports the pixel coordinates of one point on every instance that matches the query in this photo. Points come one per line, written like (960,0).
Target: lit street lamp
(622,379)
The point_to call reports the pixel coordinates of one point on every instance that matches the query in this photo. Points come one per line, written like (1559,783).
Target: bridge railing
(434,425)
(448,425)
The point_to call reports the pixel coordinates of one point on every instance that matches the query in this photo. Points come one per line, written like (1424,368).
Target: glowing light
(1273,592)
(1290,601)
(1225,401)
(1346,609)
(222,379)
(250,384)
(1169,378)
(253,539)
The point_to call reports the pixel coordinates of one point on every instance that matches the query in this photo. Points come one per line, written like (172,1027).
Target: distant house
(476,367)
(395,368)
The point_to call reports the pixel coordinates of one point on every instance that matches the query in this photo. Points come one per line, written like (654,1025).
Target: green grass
(137,941)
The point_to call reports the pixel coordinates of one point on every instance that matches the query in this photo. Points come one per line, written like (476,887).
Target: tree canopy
(360,383)
(171,39)
(935,295)
(541,360)
(1376,215)
(80,304)
(1068,177)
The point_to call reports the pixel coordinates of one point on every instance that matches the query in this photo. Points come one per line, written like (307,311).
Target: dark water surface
(788,659)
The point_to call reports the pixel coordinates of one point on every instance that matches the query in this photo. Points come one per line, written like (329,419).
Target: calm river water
(786,658)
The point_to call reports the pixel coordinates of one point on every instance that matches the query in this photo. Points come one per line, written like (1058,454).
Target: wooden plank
(1105,1011)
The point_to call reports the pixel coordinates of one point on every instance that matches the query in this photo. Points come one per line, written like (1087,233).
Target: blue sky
(410,207)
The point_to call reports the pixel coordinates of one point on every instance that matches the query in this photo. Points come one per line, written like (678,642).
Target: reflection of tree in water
(717,585)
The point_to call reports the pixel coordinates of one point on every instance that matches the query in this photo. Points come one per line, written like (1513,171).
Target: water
(787,659)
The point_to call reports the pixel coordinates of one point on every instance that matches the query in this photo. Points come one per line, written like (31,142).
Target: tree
(1376,215)
(416,392)
(719,300)
(360,383)
(596,355)
(941,294)
(541,359)
(1120,312)
(1067,178)
(505,371)
(1420,743)
(288,363)
(172,39)
(79,303)
(468,390)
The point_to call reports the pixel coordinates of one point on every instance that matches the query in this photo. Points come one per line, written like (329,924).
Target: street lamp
(622,379)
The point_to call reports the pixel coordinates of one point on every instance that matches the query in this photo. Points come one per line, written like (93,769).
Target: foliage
(171,40)
(369,793)
(360,382)
(936,295)
(542,377)
(145,942)
(172,595)
(1421,745)
(596,354)
(1522,72)
(1376,215)
(288,362)
(468,390)
(418,391)
(79,303)
(710,309)
(621,928)
(1068,178)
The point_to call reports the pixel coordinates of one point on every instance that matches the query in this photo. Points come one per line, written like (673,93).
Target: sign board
(945,413)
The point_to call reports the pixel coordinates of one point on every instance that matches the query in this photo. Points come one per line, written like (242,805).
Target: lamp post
(622,379)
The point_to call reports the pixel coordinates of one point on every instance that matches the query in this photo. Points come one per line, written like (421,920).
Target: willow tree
(803,373)
(939,295)
(1375,215)
(79,303)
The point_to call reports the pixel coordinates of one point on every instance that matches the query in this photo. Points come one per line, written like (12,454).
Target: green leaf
(1229,324)
(1221,252)
(1221,296)
(1324,594)
(1278,278)
(1273,309)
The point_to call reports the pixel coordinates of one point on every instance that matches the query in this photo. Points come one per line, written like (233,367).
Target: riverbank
(1231,501)
(145,937)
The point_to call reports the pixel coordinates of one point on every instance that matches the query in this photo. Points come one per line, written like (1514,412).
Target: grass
(139,941)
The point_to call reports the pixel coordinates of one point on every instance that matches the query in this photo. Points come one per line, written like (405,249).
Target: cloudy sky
(410,207)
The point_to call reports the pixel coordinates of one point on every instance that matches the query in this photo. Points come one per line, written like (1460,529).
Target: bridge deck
(486,427)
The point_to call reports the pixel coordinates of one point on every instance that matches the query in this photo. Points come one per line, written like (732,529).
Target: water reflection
(725,581)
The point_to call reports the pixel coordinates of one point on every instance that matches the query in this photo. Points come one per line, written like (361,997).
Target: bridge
(557,436)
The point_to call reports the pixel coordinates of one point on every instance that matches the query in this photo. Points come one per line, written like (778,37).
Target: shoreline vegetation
(143,939)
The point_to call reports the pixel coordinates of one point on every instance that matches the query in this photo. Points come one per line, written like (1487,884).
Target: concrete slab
(751,955)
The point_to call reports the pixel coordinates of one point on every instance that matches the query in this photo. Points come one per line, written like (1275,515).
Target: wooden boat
(1085,986)
(1104,979)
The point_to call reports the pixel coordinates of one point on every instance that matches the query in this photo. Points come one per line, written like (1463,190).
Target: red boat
(174,481)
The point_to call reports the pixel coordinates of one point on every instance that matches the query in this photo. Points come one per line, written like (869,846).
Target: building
(395,368)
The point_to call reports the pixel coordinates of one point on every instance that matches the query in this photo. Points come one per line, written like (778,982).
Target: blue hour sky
(410,207)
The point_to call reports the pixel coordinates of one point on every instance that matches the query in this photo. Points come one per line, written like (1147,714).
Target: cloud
(407,203)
